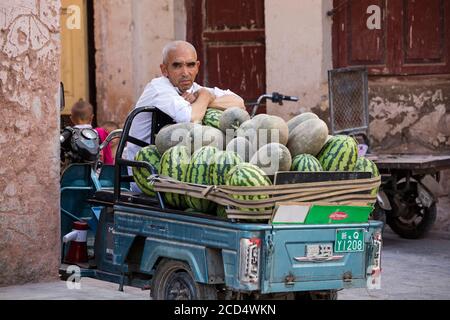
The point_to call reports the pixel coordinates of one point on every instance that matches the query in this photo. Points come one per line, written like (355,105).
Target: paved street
(417,269)
(411,269)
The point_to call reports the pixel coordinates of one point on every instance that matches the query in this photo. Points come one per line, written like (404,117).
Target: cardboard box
(335,214)
(320,213)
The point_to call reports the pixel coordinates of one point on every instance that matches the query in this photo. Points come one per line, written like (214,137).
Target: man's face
(181,68)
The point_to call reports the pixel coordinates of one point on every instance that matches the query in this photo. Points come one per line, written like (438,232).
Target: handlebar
(112,135)
(275,97)
(66,134)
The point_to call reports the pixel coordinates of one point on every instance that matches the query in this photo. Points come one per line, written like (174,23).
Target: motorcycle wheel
(412,219)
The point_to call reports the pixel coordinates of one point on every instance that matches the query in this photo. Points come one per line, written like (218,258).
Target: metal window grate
(348,93)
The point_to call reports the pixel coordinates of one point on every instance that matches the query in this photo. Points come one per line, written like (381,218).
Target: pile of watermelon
(230,148)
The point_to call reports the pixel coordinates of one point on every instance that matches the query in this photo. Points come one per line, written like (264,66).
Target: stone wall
(29,146)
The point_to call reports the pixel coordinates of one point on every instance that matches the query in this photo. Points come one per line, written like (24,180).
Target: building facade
(106,51)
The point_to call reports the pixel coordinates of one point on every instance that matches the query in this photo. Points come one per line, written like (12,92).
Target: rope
(338,192)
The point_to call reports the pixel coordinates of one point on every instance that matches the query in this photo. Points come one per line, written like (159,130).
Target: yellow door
(74,55)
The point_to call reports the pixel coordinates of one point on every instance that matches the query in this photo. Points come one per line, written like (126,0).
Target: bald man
(176,93)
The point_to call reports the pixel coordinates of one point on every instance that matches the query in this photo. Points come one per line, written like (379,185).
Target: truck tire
(316,295)
(412,220)
(173,280)
(408,230)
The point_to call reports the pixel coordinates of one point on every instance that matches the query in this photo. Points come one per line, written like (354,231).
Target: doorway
(77,54)
(230,40)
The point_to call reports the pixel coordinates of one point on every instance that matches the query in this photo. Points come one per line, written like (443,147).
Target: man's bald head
(180,64)
(177,45)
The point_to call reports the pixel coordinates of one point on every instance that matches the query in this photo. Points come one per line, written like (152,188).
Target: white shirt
(160,93)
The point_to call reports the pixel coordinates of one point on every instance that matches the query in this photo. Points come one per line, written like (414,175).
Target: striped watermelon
(151,155)
(174,164)
(198,172)
(339,153)
(306,163)
(221,212)
(212,118)
(366,165)
(246,174)
(221,164)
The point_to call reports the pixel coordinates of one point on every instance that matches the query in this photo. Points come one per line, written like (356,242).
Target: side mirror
(62,101)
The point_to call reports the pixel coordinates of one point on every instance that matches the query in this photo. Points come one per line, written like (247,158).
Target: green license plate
(349,240)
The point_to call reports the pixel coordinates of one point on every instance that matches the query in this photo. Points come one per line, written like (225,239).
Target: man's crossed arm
(203,98)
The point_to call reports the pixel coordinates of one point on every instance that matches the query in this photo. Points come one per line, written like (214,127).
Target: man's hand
(204,99)
(190,97)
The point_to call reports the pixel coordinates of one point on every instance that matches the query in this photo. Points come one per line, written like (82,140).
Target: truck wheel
(410,228)
(316,295)
(173,280)
(411,220)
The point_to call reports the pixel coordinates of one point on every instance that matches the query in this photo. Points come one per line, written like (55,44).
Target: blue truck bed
(244,257)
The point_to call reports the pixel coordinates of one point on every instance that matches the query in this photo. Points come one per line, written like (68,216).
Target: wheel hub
(179,289)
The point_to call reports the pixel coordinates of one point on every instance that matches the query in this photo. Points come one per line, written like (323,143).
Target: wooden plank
(235,36)
(410,161)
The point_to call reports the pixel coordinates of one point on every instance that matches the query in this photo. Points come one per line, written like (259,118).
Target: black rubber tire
(418,231)
(407,230)
(173,280)
(316,295)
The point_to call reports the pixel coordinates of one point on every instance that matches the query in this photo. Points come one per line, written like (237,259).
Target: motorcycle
(82,174)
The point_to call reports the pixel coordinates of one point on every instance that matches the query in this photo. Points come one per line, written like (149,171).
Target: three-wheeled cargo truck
(136,240)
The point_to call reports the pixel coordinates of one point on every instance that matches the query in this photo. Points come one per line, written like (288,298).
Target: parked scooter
(82,174)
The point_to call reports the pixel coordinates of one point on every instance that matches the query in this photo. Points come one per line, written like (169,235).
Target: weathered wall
(29,131)
(411,115)
(298,52)
(129,37)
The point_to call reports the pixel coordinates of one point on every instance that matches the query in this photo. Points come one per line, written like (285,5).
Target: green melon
(151,155)
(259,118)
(340,153)
(308,137)
(221,164)
(306,163)
(202,136)
(242,147)
(174,164)
(272,157)
(212,118)
(294,122)
(172,135)
(232,118)
(272,129)
(246,174)
(248,130)
(198,172)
